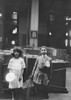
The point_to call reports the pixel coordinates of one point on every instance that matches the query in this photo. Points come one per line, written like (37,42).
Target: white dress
(16,66)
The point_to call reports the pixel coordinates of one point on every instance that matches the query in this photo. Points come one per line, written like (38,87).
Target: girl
(16,65)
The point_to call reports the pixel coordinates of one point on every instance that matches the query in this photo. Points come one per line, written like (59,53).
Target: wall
(56,27)
(24,25)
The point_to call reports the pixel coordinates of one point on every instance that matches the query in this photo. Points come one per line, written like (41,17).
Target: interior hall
(28,26)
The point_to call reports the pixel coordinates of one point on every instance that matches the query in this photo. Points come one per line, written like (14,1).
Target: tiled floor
(58,96)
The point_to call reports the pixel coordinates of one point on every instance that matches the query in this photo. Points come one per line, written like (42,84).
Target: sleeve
(23,64)
(10,64)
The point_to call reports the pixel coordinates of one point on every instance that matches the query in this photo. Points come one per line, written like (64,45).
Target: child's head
(17,52)
(43,50)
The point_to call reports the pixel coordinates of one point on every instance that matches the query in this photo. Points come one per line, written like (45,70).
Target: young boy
(39,72)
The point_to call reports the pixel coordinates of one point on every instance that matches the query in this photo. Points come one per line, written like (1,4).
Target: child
(16,65)
(39,72)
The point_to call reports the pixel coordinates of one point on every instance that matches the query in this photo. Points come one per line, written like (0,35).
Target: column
(34,23)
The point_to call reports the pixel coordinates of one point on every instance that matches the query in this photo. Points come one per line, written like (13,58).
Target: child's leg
(34,90)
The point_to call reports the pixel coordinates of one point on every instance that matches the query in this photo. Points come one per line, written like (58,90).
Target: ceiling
(52,5)
(18,5)
(57,6)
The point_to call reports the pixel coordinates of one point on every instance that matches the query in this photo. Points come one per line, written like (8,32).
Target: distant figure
(16,65)
(39,74)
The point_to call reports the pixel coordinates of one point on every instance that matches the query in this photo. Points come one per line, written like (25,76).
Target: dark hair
(17,49)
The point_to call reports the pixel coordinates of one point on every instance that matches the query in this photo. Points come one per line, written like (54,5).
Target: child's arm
(23,66)
(21,74)
(34,68)
(10,65)
(22,71)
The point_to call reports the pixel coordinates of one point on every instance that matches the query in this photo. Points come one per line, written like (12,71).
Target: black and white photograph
(35,49)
